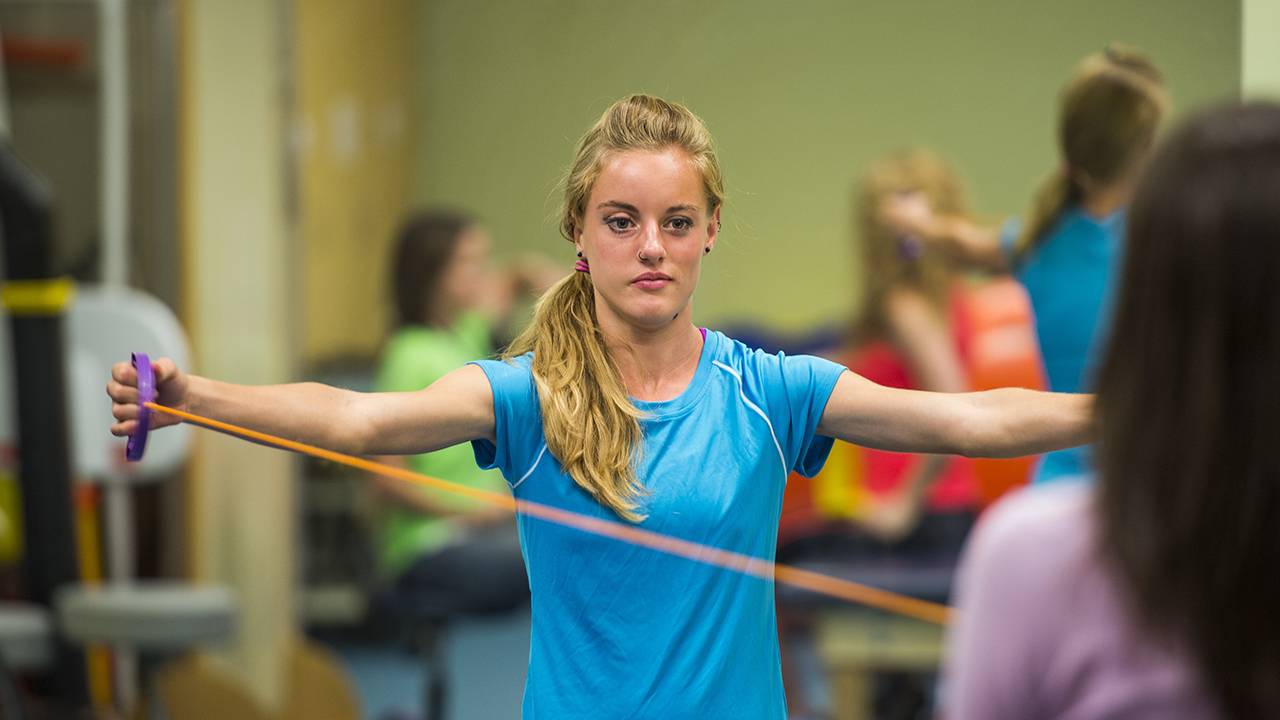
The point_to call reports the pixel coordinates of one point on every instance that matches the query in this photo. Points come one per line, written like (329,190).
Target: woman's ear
(713,231)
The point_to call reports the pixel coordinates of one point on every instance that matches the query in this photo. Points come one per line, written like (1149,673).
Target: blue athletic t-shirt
(1071,276)
(621,631)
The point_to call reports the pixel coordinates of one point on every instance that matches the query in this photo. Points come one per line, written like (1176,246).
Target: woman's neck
(1102,200)
(655,365)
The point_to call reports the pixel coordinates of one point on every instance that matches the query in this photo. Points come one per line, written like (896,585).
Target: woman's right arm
(455,409)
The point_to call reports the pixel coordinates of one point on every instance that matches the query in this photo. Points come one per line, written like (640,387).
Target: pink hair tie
(581,266)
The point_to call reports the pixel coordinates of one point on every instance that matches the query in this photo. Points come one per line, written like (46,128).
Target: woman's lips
(651,281)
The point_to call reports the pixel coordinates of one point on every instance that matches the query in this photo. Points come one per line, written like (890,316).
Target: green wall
(799,95)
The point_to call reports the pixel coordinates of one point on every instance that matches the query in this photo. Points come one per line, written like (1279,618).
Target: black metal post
(44,452)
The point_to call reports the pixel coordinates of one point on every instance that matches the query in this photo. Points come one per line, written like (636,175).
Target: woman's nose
(651,248)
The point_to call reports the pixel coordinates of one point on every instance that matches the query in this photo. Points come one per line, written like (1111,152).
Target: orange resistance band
(737,562)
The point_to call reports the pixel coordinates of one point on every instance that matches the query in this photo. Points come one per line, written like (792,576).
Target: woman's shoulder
(740,356)
(514,363)
(1054,516)
(408,338)
(510,375)
(1029,566)
(1034,541)
(413,358)
(417,344)
(774,376)
(1076,223)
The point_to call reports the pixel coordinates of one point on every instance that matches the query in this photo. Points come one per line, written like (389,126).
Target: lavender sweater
(1043,632)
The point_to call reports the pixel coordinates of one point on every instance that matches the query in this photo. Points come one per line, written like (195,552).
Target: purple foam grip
(146,393)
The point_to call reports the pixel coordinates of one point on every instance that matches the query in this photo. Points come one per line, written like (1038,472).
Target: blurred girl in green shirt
(448,550)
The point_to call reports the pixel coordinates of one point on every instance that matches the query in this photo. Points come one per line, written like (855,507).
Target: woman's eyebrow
(619,205)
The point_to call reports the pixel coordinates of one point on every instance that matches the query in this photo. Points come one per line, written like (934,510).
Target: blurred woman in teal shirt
(1069,249)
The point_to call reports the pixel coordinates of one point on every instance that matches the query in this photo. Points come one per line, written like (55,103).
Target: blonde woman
(907,306)
(906,335)
(614,404)
(1069,248)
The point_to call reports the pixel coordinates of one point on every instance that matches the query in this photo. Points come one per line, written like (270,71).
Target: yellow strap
(38,297)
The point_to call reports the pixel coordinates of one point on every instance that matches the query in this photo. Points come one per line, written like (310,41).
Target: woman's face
(644,232)
(466,279)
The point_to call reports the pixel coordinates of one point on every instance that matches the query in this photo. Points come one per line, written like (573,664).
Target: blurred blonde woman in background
(1068,249)
(910,333)
(912,317)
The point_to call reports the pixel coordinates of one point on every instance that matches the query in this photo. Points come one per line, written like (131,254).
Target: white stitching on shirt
(535,464)
(743,394)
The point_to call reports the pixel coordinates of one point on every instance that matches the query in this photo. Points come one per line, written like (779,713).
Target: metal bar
(113,93)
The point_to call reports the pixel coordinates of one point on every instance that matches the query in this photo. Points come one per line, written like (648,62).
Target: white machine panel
(104,325)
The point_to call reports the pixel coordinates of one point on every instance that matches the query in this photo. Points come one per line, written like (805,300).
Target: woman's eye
(681,224)
(619,223)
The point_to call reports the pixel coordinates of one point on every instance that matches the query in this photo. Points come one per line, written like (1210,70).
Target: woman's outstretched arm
(457,408)
(1008,422)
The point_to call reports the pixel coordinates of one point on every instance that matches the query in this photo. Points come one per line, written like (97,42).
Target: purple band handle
(146,393)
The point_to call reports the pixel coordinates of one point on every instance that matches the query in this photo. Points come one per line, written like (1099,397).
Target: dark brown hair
(1110,111)
(426,245)
(1189,404)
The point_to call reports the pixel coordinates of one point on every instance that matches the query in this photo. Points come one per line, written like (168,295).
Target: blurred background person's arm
(912,215)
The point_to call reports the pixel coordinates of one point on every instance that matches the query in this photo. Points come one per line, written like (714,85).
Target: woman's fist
(171,391)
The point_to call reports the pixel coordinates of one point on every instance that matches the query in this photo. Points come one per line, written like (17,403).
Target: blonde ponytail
(589,421)
(1111,109)
(592,427)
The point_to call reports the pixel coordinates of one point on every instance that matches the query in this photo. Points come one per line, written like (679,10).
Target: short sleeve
(517,417)
(798,396)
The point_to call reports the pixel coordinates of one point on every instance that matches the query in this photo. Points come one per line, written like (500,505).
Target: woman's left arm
(1008,422)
